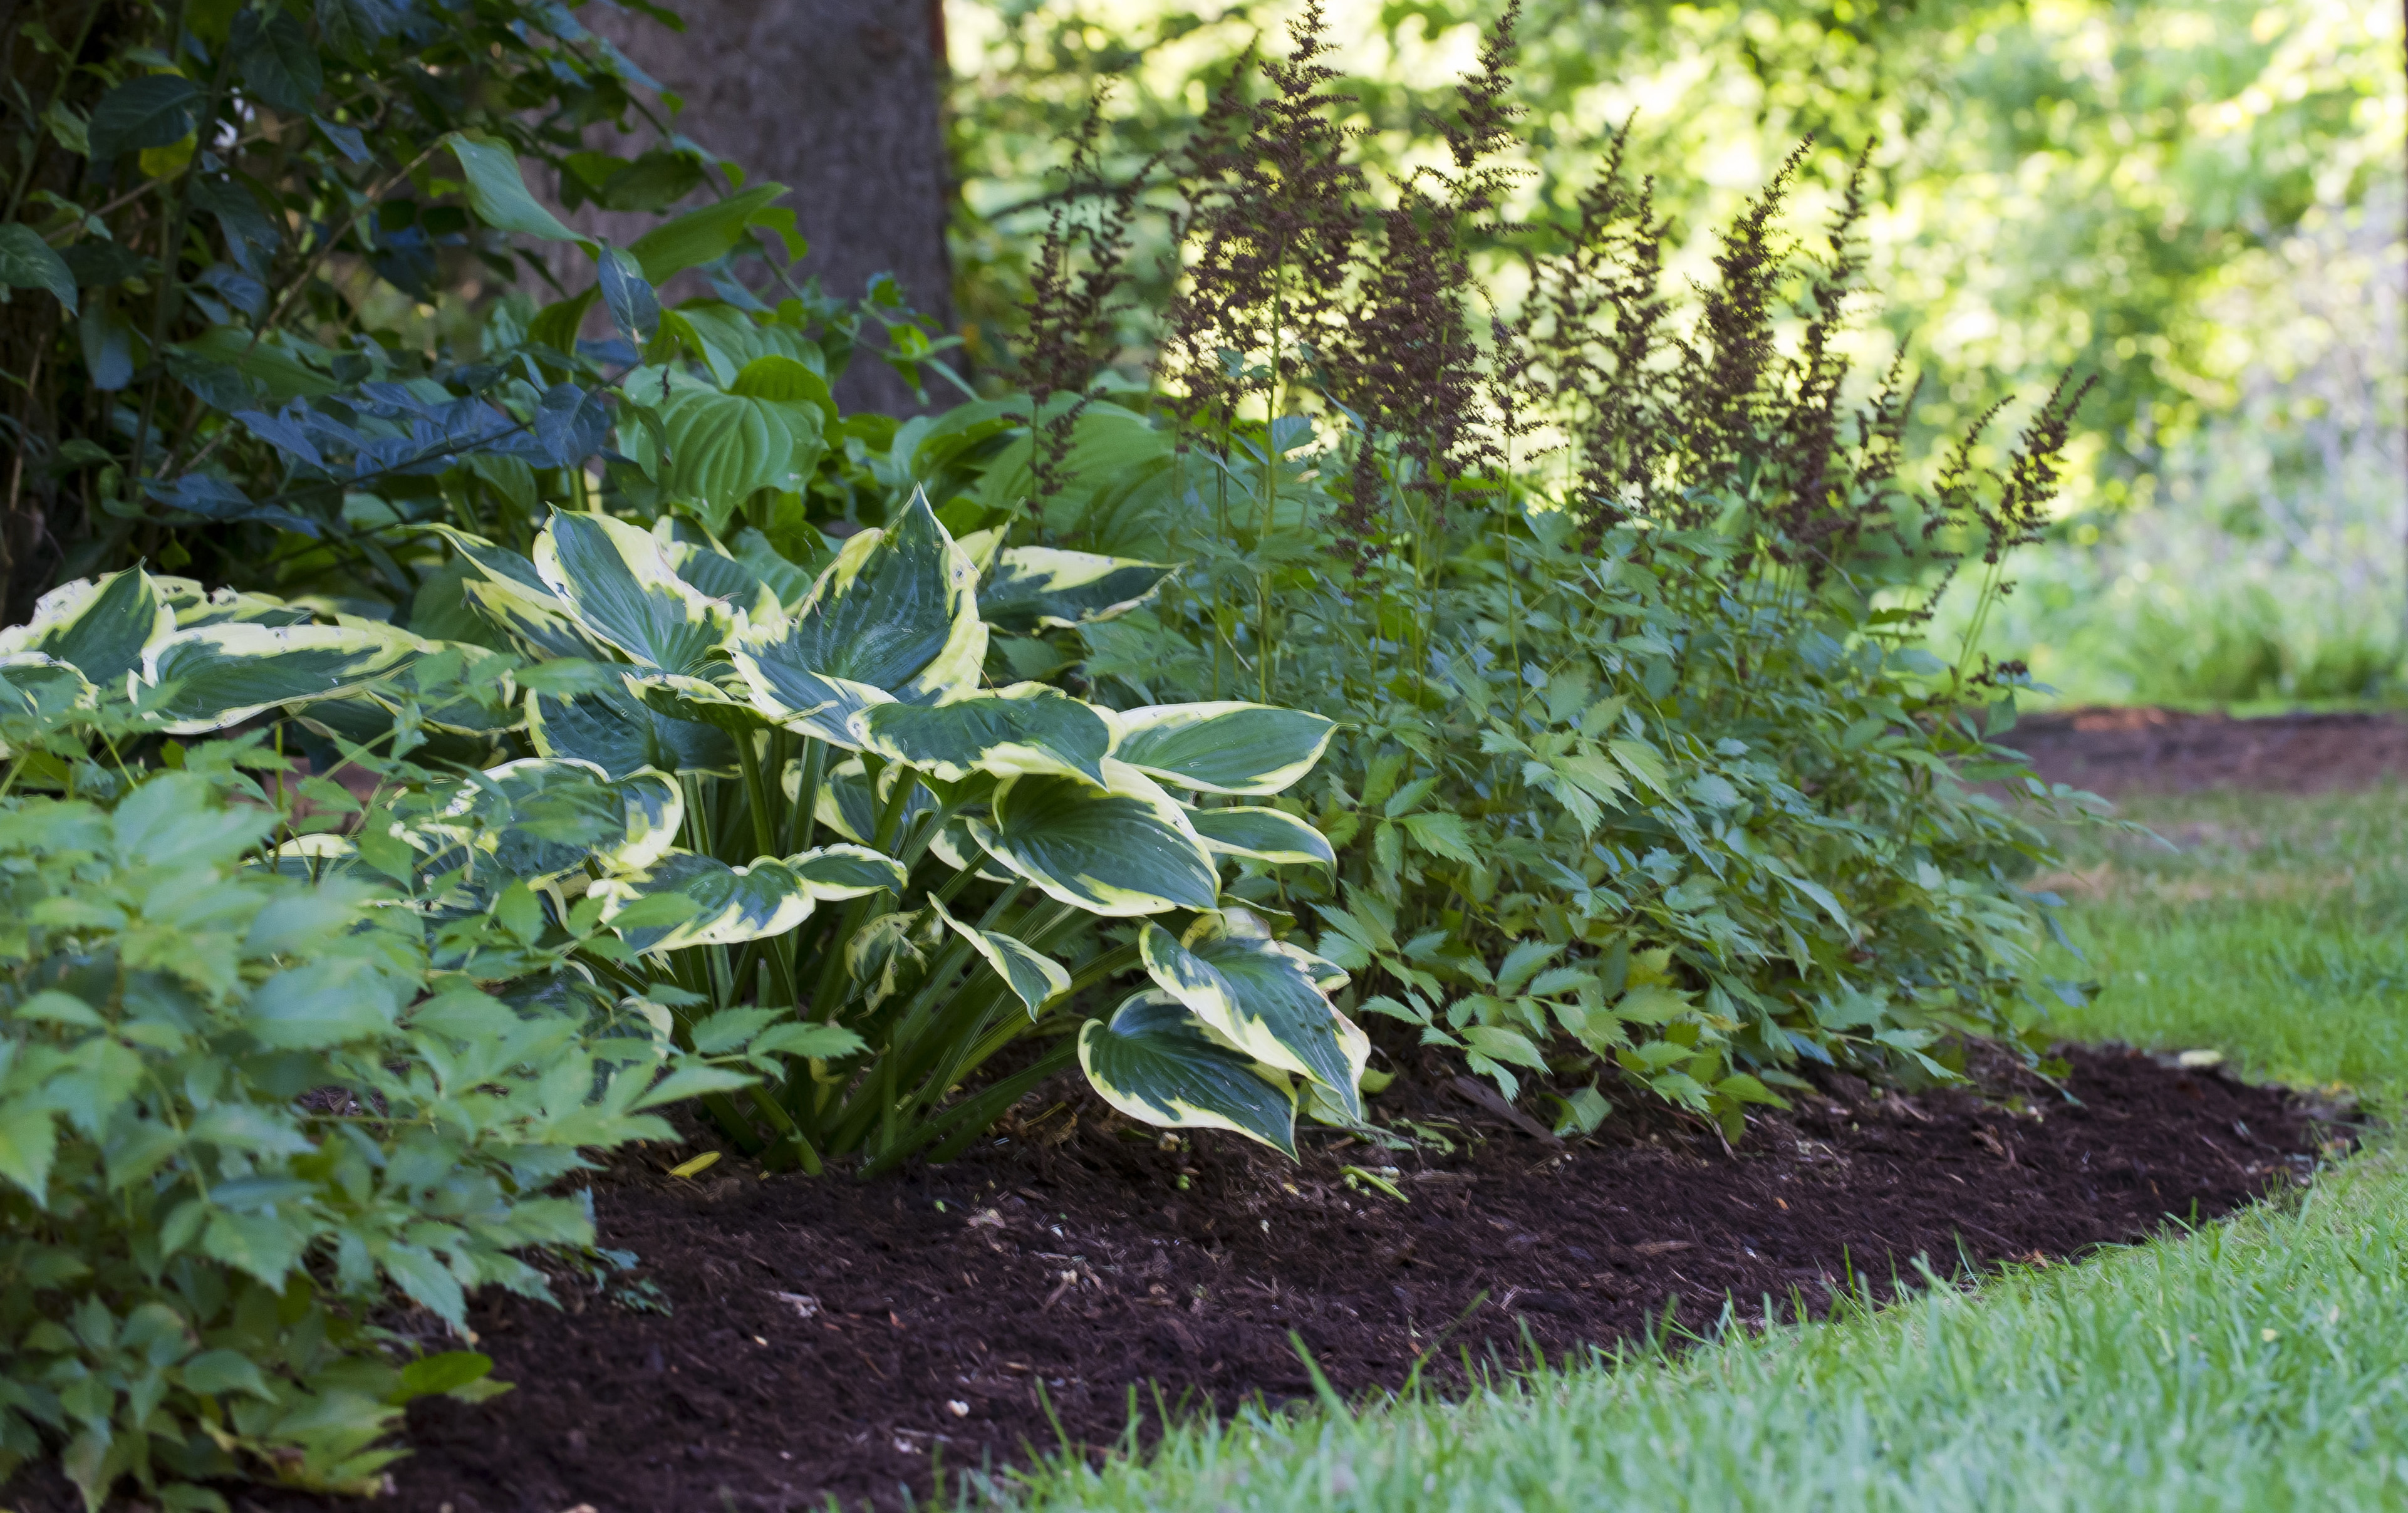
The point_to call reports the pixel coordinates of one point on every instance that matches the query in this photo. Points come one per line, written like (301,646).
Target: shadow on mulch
(830,1337)
(2115,752)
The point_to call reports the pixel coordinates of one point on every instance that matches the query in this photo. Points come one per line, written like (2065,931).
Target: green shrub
(241,1110)
(1644,778)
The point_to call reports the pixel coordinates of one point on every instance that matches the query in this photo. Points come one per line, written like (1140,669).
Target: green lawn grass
(2259,1363)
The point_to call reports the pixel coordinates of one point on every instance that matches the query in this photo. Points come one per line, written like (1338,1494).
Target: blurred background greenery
(2198,200)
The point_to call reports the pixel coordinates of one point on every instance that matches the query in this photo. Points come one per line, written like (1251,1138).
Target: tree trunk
(842,101)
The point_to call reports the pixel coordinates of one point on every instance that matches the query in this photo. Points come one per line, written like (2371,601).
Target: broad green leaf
(731,904)
(736,904)
(1260,996)
(499,195)
(1120,850)
(223,675)
(848,806)
(1027,727)
(42,689)
(1261,834)
(701,236)
(620,584)
(618,733)
(722,447)
(146,110)
(101,627)
(1152,1061)
(788,381)
(1031,587)
(1034,978)
(27,262)
(1248,750)
(895,618)
(542,818)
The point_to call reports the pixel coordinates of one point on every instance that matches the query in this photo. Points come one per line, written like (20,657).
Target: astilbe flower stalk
(1411,364)
(1269,234)
(1081,266)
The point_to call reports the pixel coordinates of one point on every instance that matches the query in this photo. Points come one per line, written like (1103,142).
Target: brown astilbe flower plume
(1080,266)
(1269,234)
(1720,394)
(1411,364)
(1594,326)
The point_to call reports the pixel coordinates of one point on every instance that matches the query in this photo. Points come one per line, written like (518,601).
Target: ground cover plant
(245,1108)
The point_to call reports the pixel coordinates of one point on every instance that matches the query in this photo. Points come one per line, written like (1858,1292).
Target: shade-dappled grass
(2258,1364)
(2272,928)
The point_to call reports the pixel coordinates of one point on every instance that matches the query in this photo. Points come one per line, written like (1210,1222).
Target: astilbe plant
(250,1117)
(1644,779)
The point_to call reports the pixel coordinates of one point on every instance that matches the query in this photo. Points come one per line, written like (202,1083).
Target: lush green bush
(241,1110)
(1644,771)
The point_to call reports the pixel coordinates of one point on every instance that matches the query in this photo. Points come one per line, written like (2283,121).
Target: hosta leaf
(543,818)
(1027,727)
(1031,587)
(1120,850)
(846,871)
(1244,749)
(847,805)
(720,576)
(1152,1062)
(39,688)
(1262,834)
(729,904)
(1260,995)
(618,582)
(614,730)
(1034,978)
(894,618)
(223,675)
(99,627)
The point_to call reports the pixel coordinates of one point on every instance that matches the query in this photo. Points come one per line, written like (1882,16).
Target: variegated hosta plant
(833,829)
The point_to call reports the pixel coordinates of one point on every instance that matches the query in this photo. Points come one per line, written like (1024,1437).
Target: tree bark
(842,101)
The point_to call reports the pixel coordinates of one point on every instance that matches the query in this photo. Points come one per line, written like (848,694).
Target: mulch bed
(2113,752)
(832,1337)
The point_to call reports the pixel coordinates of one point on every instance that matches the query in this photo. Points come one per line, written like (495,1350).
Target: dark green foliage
(243,1109)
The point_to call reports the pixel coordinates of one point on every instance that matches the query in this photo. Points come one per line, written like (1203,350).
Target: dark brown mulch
(827,1337)
(2115,752)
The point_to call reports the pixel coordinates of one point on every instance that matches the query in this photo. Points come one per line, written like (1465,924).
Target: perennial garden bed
(780,1340)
